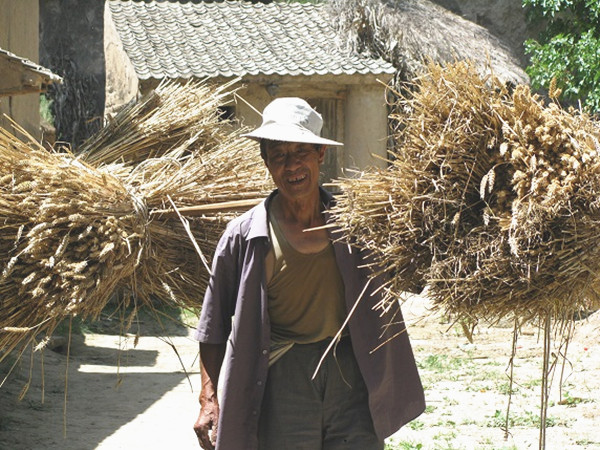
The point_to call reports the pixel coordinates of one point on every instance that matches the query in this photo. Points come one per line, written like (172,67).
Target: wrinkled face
(294,167)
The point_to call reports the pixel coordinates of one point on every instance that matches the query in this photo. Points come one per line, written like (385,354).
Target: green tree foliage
(568,49)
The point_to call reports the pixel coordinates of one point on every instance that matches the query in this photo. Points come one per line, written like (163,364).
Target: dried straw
(73,233)
(69,235)
(491,199)
(408,33)
(173,118)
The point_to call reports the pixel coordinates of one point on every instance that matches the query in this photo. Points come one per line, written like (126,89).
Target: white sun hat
(291,119)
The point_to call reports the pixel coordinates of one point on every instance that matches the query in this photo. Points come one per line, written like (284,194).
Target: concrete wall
(19,21)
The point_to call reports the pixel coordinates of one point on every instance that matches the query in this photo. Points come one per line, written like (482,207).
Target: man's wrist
(208,398)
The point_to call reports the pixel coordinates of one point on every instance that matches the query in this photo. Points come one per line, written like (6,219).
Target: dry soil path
(145,397)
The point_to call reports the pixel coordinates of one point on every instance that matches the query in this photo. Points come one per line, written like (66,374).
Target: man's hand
(207,422)
(211,358)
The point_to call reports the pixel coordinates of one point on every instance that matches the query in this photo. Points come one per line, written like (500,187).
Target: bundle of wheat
(73,233)
(228,172)
(412,212)
(174,118)
(69,235)
(490,199)
(172,148)
(542,213)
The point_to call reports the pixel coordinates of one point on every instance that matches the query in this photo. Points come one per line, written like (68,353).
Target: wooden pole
(210,208)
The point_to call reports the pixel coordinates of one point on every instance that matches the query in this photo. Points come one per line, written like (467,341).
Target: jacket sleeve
(219,301)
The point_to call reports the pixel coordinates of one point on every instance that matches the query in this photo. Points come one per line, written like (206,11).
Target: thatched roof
(408,32)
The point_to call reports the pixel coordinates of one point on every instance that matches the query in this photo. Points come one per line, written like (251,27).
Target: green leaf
(568,49)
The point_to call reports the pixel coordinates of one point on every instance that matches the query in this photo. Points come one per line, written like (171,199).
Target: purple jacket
(237,288)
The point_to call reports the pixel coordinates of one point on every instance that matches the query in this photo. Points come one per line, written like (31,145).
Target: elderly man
(281,289)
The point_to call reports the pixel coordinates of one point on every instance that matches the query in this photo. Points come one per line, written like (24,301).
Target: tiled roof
(233,38)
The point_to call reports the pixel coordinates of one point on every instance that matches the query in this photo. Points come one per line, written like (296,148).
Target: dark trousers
(328,413)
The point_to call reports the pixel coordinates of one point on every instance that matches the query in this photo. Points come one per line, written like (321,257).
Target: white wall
(365,127)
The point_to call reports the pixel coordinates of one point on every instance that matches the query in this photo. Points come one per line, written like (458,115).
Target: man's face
(294,167)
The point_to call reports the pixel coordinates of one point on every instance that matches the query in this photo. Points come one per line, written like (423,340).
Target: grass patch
(403,445)
(479,387)
(434,368)
(416,425)
(586,443)
(493,364)
(450,401)
(46,109)
(446,439)
(429,409)
(446,423)
(468,422)
(527,419)
(440,363)
(533,383)
(505,388)
(188,316)
(480,373)
(571,401)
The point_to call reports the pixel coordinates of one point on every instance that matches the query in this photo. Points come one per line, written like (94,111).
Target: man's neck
(296,217)
(304,212)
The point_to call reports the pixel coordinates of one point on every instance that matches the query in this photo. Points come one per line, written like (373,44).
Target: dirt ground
(467,387)
(145,396)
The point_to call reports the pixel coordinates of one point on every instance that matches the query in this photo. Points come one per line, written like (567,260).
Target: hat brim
(288,133)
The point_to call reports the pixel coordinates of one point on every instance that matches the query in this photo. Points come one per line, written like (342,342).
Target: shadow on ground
(109,384)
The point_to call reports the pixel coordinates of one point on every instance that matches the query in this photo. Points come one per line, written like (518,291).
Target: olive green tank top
(305,292)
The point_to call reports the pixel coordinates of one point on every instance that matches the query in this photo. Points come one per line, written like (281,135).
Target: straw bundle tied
(73,233)
(491,199)
(69,235)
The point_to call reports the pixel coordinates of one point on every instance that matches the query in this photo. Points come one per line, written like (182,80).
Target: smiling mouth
(297,179)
